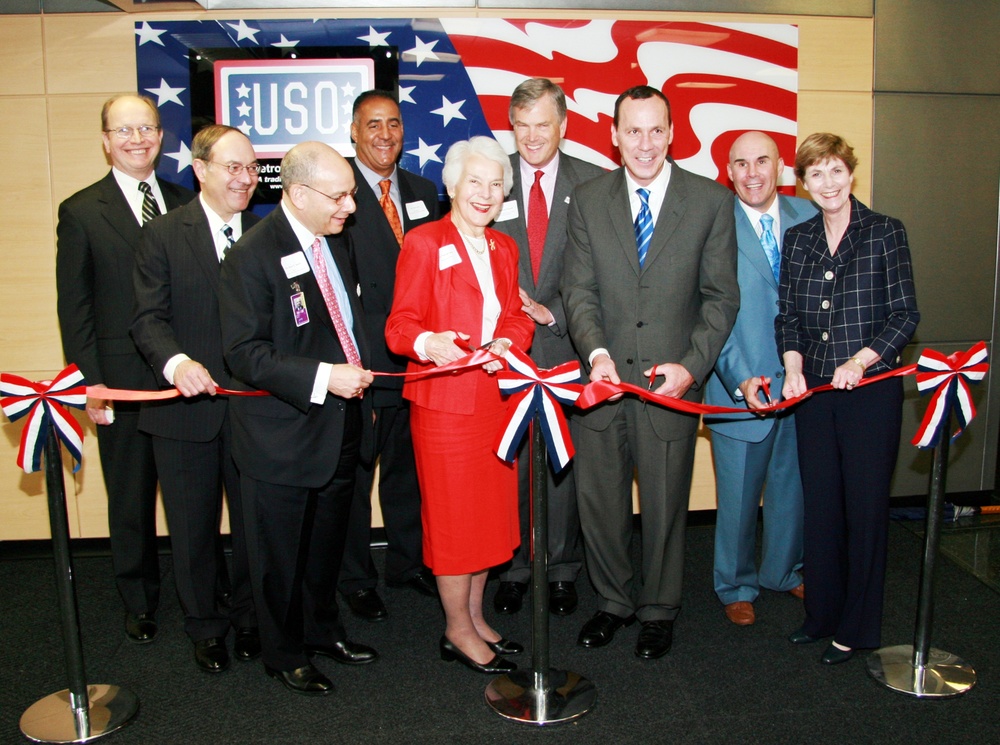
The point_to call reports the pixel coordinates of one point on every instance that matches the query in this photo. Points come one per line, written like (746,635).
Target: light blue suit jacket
(751,349)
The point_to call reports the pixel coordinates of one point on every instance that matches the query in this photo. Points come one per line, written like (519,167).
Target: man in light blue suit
(752,451)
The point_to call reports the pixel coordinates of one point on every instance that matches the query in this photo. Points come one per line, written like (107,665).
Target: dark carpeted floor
(720,684)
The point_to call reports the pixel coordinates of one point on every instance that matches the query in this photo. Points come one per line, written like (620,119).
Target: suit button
(628,361)
(779,374)
(639,325)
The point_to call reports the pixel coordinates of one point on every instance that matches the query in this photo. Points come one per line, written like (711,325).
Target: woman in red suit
(457,282)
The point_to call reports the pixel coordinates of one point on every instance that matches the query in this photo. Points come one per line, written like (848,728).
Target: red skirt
(468,494)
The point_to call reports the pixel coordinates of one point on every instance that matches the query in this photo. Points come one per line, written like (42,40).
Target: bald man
(751,451)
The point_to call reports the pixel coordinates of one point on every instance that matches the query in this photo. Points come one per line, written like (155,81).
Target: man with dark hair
(176,326)
(390,202)
(291,326)
(535,216)
(650,291)
(98,233)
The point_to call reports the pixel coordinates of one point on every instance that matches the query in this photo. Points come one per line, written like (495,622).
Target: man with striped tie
(97,235)
(176,327)
(650,291)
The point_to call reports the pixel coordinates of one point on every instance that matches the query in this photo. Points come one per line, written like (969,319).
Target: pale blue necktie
(643,226)
(770,245)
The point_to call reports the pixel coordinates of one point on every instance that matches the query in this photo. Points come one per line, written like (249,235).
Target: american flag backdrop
(456,76)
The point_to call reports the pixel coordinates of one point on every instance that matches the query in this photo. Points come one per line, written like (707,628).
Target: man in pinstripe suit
(176,327)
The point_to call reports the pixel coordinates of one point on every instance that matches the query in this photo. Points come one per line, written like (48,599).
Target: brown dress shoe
(741,613)
(799,592)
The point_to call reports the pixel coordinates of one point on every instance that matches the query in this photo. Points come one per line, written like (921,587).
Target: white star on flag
(404,94)
(182,156)
(374,38)
(449,110)
(422,51)
(244,109)
(166,94)
(348,90)
(243,91)
(147,33)
(245,128)
(285,42)
(243,31)
(348,108)
(425,152)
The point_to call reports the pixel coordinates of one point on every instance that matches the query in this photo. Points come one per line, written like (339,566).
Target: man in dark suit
(650,290)
(388,199)
(291,326)
(176,327)
(751,451)
(98,233)
(535,217)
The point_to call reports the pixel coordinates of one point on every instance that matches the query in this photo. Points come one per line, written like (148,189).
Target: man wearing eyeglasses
(291,325)
(176,326)
(98,232)
(391,201)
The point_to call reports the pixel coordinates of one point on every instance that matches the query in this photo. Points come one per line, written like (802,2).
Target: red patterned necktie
(389,208)
(332,306)
(538,223)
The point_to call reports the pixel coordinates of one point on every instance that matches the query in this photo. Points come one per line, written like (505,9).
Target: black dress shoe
(799,636)
(601,628)
(497,666)
(306,680)
(423,582)
(141,628)
(246,646)
(367,604)
(211,655)
(562,598)
(655,639)
(508,597)
(834,656)
(505,646)
(345,652)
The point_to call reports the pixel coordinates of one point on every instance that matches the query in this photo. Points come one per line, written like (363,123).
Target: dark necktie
(150,208)
(389,208)
(643,226)
(538,224)
(228,232)
(770,245)
(332,306)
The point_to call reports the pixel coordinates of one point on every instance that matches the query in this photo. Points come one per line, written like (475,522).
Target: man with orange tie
(535,216)
(390,202)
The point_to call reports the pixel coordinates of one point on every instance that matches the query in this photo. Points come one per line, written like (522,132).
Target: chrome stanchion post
(80,713)
(542,695)
(920,670)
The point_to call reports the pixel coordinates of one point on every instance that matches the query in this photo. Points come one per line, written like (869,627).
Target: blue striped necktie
(770,245)
(643,226)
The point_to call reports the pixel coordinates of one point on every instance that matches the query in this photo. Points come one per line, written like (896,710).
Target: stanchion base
(515,697)
(52,719)
(944,676)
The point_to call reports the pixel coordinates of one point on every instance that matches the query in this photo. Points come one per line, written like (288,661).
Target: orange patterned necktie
(389,208)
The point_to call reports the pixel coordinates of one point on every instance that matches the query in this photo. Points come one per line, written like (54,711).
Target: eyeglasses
(235,169)
(337,198)
(125,133)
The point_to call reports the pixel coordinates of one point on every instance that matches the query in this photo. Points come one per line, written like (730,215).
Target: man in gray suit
(752,450)
(650,291)
(535,217)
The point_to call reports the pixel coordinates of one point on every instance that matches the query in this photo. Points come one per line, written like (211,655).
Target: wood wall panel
(89,57)
(21,56)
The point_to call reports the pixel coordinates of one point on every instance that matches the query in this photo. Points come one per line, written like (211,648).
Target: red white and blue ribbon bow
(543,391)
(948,377)
(42,400)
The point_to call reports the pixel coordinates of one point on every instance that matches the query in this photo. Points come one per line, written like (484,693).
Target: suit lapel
(200,242)
(671,214)
(463,270)
(620,219)
(518,227)
(749,243)
(117,212)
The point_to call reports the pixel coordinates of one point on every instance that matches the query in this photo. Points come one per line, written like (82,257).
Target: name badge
(295,264)
(508,211)
(299,311)
(448,256)
(416,210)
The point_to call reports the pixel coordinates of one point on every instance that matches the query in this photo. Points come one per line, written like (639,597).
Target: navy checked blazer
(830,307)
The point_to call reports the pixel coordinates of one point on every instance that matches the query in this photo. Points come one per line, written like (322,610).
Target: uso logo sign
(279,103)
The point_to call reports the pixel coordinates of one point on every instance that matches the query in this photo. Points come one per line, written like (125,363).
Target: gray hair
(528,93)
(485,147)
